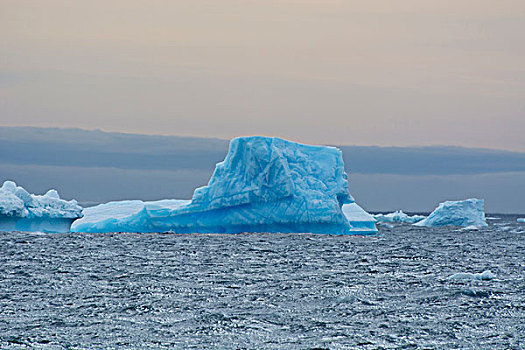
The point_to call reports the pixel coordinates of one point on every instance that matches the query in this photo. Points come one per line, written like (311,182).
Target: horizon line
(449,146)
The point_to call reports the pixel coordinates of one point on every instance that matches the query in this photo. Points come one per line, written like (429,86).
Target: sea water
(265,291)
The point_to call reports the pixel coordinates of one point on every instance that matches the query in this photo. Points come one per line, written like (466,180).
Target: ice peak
(9,186)
(52,194)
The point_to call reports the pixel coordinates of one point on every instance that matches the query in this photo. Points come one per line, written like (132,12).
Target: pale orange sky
(341,72)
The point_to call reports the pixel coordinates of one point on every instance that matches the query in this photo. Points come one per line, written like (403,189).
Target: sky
(375,72)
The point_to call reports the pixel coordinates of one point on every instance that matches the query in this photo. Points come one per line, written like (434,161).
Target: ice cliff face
(464,213)
(20,210)
(264,184)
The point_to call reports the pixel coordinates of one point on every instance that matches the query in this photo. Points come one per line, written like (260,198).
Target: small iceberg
(360,221)
(470,228)
(466,213)
(22,211)
(521,220)
(399,217)
(484,276)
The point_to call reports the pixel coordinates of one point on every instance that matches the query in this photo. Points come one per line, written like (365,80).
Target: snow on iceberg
(360,221)
(464,213)
(265,184)
(399,216)
(122,216)
(22,211)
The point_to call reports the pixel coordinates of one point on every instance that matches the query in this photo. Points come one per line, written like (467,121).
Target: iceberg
(265,184)
(399,217)
(484,276)
(464,213)
(360,221)
(22,211)
(521,220)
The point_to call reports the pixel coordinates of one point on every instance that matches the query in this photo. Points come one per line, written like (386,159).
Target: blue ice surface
(265,184)
(465,213)
(123,216)
(22,211)
(361,222)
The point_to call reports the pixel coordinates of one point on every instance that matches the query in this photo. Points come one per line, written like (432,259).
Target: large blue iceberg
(22,211)
(265,184)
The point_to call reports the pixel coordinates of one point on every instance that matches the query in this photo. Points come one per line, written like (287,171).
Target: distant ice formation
(399,216)
(264,184)
(360,221)
(521,220)
(485,275)
(470,228)
(22,211)
(464,213)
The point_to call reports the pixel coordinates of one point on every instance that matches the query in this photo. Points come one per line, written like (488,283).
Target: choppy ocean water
(264,291)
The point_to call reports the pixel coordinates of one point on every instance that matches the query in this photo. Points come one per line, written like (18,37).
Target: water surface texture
(264,291)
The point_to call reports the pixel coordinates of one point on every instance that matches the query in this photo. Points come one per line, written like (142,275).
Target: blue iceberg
(265,184)
(22,211)
(466,213)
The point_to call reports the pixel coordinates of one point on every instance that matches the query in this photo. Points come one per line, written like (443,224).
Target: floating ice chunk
(464,213)
(384,224)
(360,221)
(485,275)
(471,228)
(398,216)
(476,293)
(521,220)
(22,211)
(264,184)
(492,218)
